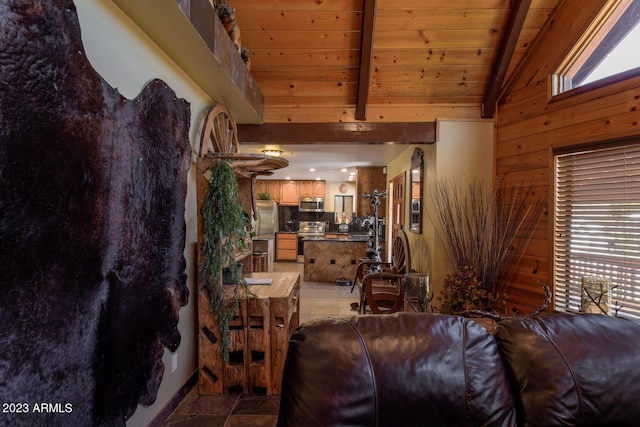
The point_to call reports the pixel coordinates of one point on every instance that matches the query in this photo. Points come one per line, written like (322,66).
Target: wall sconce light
(272,152)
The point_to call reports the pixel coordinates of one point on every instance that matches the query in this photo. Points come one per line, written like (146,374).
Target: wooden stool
(259,262)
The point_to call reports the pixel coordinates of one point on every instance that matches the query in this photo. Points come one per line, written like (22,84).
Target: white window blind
(597,225)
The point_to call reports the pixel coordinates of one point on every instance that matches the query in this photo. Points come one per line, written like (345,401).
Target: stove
(310,228)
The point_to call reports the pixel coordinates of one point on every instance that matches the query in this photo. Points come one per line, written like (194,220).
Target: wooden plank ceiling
(429,59)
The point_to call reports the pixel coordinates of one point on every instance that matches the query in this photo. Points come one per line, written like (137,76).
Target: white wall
(417,242)
(463,149)
(128,60)
(331,190)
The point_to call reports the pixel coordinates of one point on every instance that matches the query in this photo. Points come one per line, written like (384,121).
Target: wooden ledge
(247,165)
(191,34)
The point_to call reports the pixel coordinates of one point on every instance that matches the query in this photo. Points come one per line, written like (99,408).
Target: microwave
(311,204)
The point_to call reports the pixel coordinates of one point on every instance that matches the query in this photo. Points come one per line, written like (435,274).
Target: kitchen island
(329,258)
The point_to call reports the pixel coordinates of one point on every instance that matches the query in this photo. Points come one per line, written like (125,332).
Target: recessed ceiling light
(344,170)
(312,170)
(272,152)
(352,173)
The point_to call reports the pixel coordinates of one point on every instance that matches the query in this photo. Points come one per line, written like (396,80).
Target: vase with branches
(225,224)
(485,231)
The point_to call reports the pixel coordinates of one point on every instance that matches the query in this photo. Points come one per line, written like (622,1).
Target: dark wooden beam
(332,133)
(518,16)
(366,53)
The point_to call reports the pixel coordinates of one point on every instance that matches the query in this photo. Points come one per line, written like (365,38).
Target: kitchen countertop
(264,237)
(342,238)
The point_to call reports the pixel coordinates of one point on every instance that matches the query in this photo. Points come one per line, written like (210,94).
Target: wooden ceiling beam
(520,10)
(366,54)
(338,133)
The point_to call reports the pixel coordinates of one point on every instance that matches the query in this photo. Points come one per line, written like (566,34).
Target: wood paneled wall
(529,125)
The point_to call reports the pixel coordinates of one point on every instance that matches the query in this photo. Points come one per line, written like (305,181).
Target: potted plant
(464,291)
(225,226)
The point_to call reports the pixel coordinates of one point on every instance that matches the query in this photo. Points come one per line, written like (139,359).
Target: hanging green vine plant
(224,229)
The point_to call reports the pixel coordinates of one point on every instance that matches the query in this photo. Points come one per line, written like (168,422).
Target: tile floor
(317,299)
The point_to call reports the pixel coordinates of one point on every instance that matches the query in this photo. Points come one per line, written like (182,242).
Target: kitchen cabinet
(286,246)
(273,188)
(319,189)
(306,188)
(311,188)
(289,193)
(269,186)
(259,187)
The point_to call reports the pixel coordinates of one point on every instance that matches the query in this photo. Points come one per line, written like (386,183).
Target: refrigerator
(267,222)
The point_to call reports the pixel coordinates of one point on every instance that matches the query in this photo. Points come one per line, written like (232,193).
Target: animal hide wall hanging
(92,230)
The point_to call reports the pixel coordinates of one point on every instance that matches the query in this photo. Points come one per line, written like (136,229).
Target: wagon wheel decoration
(219,132)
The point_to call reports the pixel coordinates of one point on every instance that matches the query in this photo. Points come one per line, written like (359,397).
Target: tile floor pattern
(317,299)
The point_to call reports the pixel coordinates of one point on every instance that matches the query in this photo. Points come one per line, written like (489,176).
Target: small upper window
(608,48)
(623,57)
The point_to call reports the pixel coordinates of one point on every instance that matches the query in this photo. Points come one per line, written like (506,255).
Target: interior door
(396,216)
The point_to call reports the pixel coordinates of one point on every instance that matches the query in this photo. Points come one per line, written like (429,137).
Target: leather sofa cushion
(394,370)
(573,369)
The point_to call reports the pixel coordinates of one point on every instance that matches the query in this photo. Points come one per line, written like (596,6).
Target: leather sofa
(438,370)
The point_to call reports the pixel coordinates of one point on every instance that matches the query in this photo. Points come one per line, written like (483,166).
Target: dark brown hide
(92,231)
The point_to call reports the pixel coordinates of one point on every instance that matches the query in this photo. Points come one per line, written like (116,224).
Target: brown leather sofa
(437,370)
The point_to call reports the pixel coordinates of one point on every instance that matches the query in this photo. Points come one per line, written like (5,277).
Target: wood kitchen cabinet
(311,188)
(305,188)
(286,246)
(370,178)
(269,186)
(259,187)
(273,188)
(289,193)
(319,188)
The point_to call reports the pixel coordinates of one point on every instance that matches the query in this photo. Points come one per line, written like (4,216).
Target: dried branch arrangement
(485,231)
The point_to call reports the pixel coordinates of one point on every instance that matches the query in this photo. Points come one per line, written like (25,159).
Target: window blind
(597,225)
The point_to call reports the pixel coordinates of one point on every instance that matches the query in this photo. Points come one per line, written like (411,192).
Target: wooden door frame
(395,222)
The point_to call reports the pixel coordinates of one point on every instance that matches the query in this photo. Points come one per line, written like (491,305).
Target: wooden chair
(383,290)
